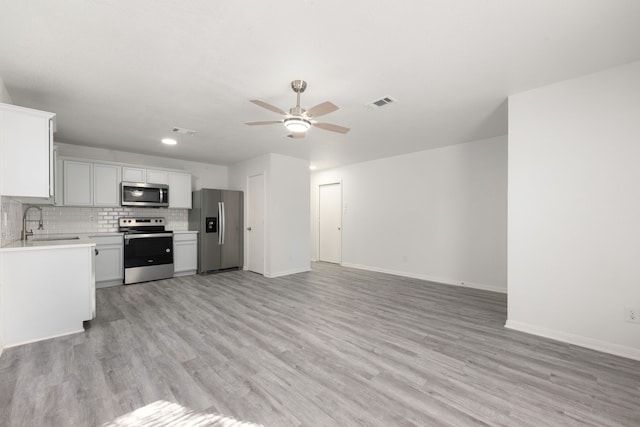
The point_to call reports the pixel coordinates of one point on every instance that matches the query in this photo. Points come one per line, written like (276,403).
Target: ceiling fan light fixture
(297,124)
(298,120)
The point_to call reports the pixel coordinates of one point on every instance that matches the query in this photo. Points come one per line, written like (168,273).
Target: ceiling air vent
(382,102)
(183,131)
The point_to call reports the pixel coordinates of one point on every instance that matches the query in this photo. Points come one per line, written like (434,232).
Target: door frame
(341,216)
(264,222)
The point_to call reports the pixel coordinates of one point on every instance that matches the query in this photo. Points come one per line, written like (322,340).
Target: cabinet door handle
(97,251)
(248,228)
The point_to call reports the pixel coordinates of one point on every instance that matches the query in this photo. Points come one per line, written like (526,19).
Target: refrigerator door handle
(224,223)
(220,223)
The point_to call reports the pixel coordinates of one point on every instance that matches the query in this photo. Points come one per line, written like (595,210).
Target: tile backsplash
(65,220)
(10,220)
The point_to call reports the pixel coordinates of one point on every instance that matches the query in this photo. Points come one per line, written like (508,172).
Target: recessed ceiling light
(169,141)
(313,167)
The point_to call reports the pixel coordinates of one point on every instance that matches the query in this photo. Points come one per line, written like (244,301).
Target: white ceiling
(121,74)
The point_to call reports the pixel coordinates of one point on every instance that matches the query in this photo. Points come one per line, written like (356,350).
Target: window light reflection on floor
(167,414)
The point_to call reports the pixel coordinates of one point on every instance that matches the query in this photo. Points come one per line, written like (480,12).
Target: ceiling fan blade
(268,106)
(321,109)
(332,127)
(297,135)
(268,122)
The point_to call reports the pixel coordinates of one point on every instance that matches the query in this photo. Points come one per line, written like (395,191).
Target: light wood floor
(333,347)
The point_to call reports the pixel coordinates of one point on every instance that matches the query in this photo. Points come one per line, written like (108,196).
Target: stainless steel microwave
(145,195)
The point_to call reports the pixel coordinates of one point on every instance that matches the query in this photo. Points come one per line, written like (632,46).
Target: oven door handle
(145,236)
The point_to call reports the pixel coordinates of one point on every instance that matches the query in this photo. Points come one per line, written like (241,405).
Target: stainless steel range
(148,249)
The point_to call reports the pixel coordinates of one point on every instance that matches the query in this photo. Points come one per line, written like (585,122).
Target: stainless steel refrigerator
(217,216)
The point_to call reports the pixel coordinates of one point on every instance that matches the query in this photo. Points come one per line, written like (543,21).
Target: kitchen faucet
(26,233)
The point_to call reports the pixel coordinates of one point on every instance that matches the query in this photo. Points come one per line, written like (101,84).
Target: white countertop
(61,240)
(26,245)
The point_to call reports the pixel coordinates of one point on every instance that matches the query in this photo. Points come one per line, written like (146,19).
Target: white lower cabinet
(185,253)
(47,291)
(109,260)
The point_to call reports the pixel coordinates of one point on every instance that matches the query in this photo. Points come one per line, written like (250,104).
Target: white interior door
(330,233)
(255,224)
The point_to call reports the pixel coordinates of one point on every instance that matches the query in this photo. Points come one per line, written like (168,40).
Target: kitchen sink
(52,239)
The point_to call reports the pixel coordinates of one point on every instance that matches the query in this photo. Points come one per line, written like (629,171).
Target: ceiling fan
(298,120)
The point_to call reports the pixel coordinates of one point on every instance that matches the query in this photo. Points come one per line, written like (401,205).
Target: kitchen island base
(47,291)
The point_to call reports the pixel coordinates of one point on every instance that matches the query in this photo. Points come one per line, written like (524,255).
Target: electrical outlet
(632,315)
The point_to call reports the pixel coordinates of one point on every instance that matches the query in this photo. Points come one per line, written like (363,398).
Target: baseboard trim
(42,339)
(287,273)
(579,340)
(184,273)
(109,283)
(442,280)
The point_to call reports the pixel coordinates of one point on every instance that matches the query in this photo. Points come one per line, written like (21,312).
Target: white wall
(6,231)
(574,210)
(288,206)
(437,215)
(204,175)
(5,221)
(286,210)
(4,94)
(2,308)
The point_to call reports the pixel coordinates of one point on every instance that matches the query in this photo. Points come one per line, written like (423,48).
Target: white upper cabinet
(179,190)
(179,183)
(87,183)
(106,185)
(130,174)
(91,184)
(26,152)
(157,176)
(78,183)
